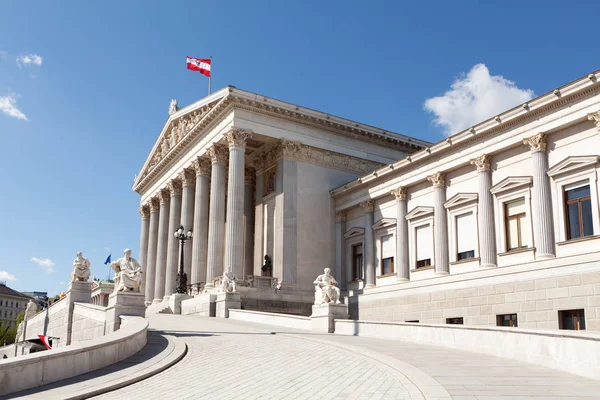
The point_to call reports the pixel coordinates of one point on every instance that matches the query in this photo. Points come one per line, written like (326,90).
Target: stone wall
(53,321)
(89,322)
(534,294)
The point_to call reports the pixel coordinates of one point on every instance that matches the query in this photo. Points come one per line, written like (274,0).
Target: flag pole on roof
(202,65)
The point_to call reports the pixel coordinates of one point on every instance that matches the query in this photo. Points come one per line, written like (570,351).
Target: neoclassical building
(496,225)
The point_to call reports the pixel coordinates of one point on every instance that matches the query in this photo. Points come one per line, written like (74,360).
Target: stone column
(401,261)
(369,248)
(234,230)
(485,215)
(258,218)
(150,267)
(173,243)
(200,240)
(440,224)
(340,250)
(145,213)
(216,216)
(161,248)
(543,229)
(188,179)
(287,174)
(248,222)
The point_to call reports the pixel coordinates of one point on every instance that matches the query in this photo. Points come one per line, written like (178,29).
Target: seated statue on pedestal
(128,273)
(81,268)
(228,282)
(326,290)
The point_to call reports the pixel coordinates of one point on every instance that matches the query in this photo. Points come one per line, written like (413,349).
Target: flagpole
(210,75)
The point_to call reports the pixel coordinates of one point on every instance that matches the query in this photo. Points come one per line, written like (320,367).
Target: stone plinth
(79,291)
(123,303)
(225,301)
(322,316)
(175,302)
(201,304)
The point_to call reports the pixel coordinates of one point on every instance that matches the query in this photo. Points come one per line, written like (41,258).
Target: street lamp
(181,276)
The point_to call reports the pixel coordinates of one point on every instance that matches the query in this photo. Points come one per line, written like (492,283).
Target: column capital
(175,187)
(341,216)
(368,205)
(437,179)
(237,137)
(249,176)
(187,177)
(482,162)
(595,117)
(154,204)
(258,164)
(201,166)
(164,196)
(218,154)
(289,148)
(145,211)
(399,193)
(536,143)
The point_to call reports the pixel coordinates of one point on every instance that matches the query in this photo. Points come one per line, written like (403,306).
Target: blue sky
(85,89)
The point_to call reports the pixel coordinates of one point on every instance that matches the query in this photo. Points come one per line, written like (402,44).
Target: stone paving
(238,360)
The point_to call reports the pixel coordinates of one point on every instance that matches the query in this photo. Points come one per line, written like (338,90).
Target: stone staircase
(159,308)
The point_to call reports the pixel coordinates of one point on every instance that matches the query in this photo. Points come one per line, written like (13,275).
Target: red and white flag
(201,65)
(44,340)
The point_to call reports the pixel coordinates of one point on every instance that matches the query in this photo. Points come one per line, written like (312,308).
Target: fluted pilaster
(150,267)
(485,215)
(188,180)
(440,221)
(173,243)
(402,264)
(340,272)
(369,250)
(216,216)
(200,240)
(143,258)
(543,229)
(162,246)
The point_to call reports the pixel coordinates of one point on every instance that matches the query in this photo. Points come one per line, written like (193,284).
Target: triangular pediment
(384,223)
(460,199)
(572,163)
(419,212)
(510,183)
(354,232)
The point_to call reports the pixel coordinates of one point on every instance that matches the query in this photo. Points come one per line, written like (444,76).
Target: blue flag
(107,260)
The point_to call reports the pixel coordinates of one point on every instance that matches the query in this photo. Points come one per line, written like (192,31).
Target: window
(573,320)
(269,180)
(517,234)
(507,320)
(1,302)
(578,211)
(424,246)
(4,313)
(17,304)
(12,303)
(357,261)
(414,321)
(387,254)
(454,321)
(466,236)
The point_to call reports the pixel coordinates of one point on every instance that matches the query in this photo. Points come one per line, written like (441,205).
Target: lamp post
(181,276)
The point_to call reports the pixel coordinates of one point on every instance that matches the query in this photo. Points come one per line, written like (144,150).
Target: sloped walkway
(238,360)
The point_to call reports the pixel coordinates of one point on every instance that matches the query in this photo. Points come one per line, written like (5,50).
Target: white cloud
(3,54)
(45,263)
(473,98)
(107,249)
(7,106)
(6,276)
(26,59)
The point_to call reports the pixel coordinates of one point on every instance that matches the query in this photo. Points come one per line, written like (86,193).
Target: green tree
(8,333)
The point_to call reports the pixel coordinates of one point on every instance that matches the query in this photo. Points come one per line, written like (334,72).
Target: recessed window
(573,320)
(414,321)
(387,254)
(517,234)
(424,246)
(269,180)
(455,321)
(466,236)
(507,320)
(357,261)
(578,209)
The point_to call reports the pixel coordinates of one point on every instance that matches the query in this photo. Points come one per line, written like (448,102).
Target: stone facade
(12,303)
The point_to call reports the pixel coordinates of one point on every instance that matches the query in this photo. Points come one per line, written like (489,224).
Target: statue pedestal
(201,304)
(123,303)
(175,302)
(227,300)
(79,291)
(322,316)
